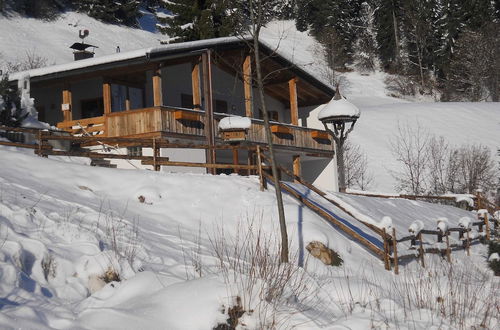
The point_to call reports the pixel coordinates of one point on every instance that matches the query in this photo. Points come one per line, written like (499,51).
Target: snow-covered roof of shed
(339,107)
(125,56)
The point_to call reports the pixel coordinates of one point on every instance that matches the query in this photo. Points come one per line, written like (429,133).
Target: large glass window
(126,98)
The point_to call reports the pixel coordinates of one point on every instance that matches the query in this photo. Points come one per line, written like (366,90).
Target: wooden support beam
(236,160)
(208,107)
(67,106)
(294,106)
(247,81)
(157,90)
(106,97)
(297,168)
(196,86)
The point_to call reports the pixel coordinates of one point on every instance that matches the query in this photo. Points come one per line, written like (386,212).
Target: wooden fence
(43,148)
(390,255)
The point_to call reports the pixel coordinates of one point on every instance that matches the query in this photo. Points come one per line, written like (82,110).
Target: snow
(482,212)
(65,224)
(452,120)
(442,224)
(234,123)
(465,222)
(416,226)
(51,39)
(339,108)
(494,256)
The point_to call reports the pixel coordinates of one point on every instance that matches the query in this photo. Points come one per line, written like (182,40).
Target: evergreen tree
(387,21)
(123,12)
(10,104)
(195,20)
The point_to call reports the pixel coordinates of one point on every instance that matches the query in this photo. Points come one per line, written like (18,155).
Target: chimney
(80,51)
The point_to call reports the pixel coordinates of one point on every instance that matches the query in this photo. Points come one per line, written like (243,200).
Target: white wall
(327,179)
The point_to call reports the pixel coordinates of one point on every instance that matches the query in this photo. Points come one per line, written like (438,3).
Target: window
(273,115)
(134,151)
(187,103)
(92,108)
(126,98)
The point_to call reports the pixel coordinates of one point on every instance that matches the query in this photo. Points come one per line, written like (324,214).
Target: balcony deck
(189,124)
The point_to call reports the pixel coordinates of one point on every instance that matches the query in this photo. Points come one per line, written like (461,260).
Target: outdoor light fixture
(339,116)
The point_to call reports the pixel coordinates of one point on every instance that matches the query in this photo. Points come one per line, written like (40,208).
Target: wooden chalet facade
(180,92)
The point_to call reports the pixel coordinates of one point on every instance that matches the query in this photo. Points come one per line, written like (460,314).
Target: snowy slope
(459,123)
(63,224)
(52,39)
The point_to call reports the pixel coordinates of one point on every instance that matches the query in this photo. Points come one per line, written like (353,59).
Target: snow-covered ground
(184,245)
(64,224)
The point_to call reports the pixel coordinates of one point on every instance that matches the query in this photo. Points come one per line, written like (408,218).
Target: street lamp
(336,116)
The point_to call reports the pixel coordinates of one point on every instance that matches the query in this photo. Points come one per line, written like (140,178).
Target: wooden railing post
(421,249)
(395,251)
(387,263)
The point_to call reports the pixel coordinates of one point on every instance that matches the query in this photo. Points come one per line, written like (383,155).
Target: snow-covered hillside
(52,39)
(64,225)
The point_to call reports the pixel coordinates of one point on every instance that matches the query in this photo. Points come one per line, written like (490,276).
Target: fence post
(421,249)
(448,252)
(387,262)
(41,144)
(156,153)
(467,245)
(395,251)
(487,224)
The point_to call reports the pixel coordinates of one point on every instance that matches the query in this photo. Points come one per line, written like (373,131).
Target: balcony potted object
(234,128)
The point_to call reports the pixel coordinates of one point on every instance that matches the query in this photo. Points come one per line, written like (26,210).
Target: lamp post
(339,116)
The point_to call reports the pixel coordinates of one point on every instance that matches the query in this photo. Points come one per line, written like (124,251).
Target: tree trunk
(269,138)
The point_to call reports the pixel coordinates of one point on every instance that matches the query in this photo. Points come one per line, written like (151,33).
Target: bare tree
(254,15)
(356,167)
(32,60)
(477,168)
(410,147)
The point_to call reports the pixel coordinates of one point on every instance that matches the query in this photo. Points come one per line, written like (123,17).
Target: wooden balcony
(189,124)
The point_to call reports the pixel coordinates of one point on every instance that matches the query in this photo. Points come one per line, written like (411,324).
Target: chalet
(180,92)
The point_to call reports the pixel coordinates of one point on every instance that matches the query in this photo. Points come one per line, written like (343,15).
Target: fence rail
(44,149)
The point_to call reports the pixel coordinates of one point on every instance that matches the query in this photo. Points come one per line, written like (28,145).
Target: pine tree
(388,23)
(365,47)
(195,20)
(123,12)
(10,104)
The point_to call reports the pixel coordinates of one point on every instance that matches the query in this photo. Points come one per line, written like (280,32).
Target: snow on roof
(146,53)
(234,123)
(339,108)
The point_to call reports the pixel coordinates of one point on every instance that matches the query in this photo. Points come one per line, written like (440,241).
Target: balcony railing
(187,123)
